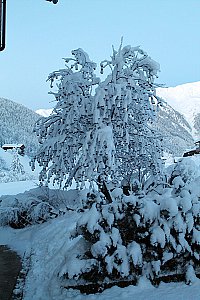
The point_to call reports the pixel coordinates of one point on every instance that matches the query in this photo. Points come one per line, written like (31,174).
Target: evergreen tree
(16,166)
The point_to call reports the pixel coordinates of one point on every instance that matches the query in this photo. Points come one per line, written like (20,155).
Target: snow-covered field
(49,252)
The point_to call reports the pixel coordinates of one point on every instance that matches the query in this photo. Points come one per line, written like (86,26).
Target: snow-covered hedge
(36,206)
(156,234)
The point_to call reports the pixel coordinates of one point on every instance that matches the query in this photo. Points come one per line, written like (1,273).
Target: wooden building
(20,147)
(193,152)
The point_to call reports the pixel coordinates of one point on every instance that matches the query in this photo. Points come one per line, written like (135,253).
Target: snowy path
(10,266)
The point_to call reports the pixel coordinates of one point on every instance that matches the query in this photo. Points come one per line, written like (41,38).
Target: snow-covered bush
(102,135)
(156,235)
(37,206)
(8,176)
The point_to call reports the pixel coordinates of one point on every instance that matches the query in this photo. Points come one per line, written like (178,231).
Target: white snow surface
(44,112)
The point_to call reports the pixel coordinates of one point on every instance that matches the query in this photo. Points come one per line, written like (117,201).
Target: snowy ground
(13,188)
(43,285)
(50,253)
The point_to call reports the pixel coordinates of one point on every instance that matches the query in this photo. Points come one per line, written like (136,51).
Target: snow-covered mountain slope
(175,130)
(16,126)
(185,98)
(44,112)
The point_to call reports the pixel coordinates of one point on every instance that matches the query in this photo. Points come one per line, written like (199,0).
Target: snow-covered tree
(126,102)
(106,135)
(63,133)
(16,166)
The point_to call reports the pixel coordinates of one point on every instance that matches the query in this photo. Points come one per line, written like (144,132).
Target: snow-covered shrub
(8,176)
(156,235)
(37,206)
(184,172)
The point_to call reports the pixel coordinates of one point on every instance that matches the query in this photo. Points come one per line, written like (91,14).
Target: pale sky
(39,34)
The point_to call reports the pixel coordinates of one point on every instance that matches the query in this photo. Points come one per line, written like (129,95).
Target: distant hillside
(186,99)
(176,131)
(16,125)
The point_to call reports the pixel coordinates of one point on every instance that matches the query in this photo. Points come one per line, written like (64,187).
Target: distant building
(193,152)
(20,147)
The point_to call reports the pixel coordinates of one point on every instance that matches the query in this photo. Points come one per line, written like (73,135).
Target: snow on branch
(103,133)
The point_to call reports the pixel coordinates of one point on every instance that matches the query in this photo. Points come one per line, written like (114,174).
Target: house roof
(12,145)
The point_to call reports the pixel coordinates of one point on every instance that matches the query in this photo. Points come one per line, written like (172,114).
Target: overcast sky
(40,34)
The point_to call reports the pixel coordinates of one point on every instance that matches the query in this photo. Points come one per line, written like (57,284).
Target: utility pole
(2,24)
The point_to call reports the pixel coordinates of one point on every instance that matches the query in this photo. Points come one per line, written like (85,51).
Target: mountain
(175,129)
(44,112)
(185,98)
(16,126)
